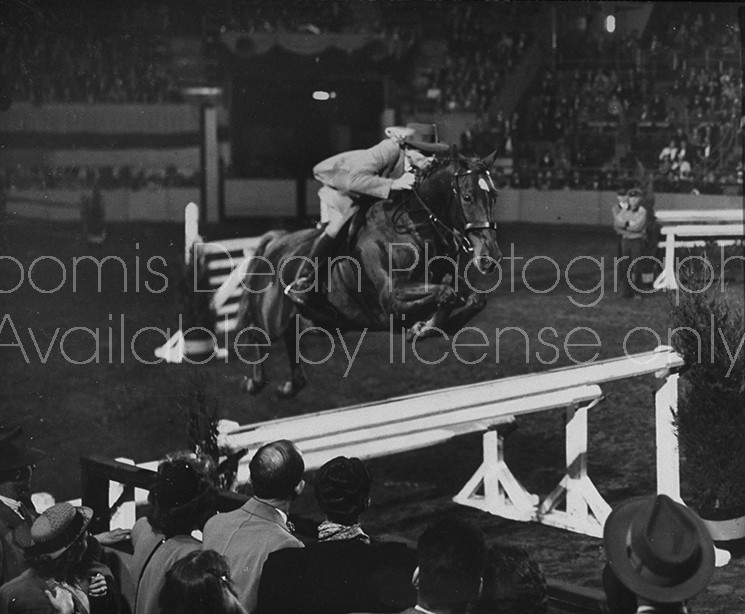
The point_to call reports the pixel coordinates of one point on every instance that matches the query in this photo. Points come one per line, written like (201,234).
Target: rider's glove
(404,182)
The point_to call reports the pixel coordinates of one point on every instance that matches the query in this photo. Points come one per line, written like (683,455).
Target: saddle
(318,308)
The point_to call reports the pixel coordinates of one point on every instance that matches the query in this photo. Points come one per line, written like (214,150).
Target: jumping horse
(398,265)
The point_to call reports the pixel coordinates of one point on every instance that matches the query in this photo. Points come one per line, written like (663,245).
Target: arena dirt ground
(130,409)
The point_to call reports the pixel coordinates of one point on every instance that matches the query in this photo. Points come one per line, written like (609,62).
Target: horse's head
(459,196)
(474,198)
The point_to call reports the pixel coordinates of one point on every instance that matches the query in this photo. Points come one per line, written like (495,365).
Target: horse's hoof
(287,390)
(414,331)
(290,388)
(251,386)
(420,330)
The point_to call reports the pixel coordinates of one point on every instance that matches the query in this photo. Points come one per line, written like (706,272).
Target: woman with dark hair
(61,569)
(199,584)
(182,499)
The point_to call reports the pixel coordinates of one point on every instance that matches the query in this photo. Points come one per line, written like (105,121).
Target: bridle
(447,233)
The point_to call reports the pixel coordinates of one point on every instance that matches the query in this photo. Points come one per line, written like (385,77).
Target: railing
(97,474)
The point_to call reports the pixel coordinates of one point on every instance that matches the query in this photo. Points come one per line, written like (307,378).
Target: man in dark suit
(17,513)
(249,534)
(345,571)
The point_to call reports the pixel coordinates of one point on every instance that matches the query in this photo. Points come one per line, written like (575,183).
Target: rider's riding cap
(419,136)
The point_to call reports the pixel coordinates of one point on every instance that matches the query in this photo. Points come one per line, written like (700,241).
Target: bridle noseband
(447,234)
(489,223)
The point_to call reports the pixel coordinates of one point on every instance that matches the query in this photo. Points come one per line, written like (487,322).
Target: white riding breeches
(334,204)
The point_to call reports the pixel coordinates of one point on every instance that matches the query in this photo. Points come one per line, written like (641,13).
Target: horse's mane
(439,164)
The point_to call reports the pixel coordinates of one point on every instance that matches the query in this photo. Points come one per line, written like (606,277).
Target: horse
(380,279)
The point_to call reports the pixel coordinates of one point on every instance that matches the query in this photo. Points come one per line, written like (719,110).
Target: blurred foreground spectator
(346,570)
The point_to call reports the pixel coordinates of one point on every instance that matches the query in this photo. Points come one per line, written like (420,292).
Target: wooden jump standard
(416,421)
(694,228)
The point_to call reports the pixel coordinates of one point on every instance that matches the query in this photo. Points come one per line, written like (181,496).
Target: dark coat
(338,577)
(15,534)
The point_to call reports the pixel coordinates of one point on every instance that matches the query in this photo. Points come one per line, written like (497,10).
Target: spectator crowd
(602,97)
(251,559)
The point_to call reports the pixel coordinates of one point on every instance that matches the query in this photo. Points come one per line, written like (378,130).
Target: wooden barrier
(415,421)
(692,235)
(226,261)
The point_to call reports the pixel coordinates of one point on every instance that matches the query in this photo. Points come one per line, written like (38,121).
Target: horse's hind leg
(258,380)
(297,381)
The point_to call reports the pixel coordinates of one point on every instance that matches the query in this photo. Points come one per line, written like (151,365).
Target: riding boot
(299,290)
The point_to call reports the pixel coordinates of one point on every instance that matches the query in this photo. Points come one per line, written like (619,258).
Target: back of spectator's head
(199,583)
(450,559)
(277,471)
(659,549)
(343,489)
(183,496)
(620,599)
(513,583)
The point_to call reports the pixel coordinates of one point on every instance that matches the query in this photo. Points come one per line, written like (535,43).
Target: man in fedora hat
(374,173)
(59,564)
(660,551)
(17,513)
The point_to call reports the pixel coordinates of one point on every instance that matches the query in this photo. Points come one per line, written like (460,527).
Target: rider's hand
(404,182)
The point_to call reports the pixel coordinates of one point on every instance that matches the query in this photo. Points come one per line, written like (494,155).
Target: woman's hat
(57,529)
(659,549)
(420,136)
(14,453)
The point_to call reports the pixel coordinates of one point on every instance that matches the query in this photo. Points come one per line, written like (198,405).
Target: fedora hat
(14,453)
(418,135)
(659,549)
(57,529)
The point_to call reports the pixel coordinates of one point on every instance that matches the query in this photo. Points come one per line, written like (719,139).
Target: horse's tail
(265,239)
(243,315)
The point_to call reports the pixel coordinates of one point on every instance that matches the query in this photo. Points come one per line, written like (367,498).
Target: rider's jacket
(363,171)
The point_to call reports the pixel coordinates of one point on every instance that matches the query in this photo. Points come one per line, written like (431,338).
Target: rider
(375,172)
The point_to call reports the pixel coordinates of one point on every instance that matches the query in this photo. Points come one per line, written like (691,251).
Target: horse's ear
(489,160)
(453,152)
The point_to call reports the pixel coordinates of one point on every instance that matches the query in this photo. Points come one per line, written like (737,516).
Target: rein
(445,232)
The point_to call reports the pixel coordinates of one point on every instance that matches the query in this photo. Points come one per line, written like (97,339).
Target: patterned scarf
(331,531)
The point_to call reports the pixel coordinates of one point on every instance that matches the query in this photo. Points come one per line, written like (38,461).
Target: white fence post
(668,463)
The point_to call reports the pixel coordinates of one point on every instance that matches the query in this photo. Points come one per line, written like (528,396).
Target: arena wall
(278,198)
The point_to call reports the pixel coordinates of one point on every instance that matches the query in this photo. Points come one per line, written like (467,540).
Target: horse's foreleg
(457,318)
(297,381)
(424,300)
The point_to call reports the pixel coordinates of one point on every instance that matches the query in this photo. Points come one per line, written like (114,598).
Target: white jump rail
(416,421)
(691,235)
(699,216)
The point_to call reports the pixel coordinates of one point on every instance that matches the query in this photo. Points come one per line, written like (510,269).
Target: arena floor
(123,407)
